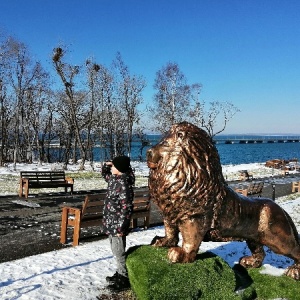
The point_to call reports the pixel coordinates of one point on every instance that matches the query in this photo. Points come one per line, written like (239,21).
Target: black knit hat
(121,163)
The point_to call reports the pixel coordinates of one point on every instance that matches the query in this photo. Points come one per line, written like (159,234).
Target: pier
(239,139)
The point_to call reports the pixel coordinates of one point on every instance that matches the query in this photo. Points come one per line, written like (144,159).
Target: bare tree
(172,99)
(67,74)
(6,103)
(47,133)
(215,119)
(130,93)
(105,88)
(176,101)
(22,75)
(38,111)
(92,104)
(63,128)
(5,120)
(142,137)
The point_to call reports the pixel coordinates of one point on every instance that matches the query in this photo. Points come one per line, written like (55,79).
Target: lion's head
(185,172)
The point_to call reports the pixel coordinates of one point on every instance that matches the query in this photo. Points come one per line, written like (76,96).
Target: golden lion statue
(187,184)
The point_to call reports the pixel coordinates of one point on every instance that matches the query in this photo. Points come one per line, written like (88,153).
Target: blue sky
(245,52)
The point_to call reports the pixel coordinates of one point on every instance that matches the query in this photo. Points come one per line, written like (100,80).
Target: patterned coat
(118,201)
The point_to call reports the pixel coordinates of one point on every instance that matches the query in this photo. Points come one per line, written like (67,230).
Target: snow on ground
(79,272)
(9,176)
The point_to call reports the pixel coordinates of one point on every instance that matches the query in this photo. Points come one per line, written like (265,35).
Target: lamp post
(273,191)
(273,185)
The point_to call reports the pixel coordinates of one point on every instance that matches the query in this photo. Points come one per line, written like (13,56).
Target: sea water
(252,153)
(235,153)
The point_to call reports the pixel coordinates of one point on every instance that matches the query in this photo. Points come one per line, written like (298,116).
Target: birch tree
(171,100)
(130,88)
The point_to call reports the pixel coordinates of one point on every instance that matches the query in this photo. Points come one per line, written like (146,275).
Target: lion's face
(166,152)
(185,170)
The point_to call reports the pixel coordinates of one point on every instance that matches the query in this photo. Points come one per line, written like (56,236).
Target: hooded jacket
(118,205)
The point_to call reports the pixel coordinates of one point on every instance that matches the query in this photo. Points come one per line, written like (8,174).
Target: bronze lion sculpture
(187,184)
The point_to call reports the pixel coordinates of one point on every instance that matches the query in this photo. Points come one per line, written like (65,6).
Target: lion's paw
(250,262)
(293,272)
(159,241)
(176,255)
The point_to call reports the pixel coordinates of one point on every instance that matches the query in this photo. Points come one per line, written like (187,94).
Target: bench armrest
(69,180)
(71,210)
(24,180)
(242,191)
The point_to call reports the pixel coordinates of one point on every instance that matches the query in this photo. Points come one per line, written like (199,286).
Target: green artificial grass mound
(153,277)
(274,287)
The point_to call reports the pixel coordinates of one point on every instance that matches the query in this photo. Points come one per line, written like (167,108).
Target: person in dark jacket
(117,215)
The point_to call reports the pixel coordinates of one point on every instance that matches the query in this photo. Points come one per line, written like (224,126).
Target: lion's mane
(186,173)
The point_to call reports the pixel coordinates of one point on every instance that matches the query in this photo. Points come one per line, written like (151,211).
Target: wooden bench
(285,171)
(244,175)
(91,214)
(254,188)
(43,179)
(295,186)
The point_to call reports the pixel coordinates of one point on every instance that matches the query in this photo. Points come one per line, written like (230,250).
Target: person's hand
(120,234)
(108,163)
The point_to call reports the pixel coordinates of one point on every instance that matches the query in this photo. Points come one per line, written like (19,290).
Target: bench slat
(95,203)
(92,210)
(96,216)
(91,223)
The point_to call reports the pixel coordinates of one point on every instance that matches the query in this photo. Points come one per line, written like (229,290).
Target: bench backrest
(43,175)
(255,188)
(93,204)
(141,200)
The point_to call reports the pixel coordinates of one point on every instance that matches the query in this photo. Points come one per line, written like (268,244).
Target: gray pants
(118,246)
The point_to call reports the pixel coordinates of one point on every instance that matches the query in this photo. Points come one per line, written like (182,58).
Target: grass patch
(84,175)
(274,287)
(153,277)
(209,277)
(289,197)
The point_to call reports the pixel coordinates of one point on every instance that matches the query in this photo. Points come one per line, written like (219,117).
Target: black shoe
(121,284)
(112,279)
